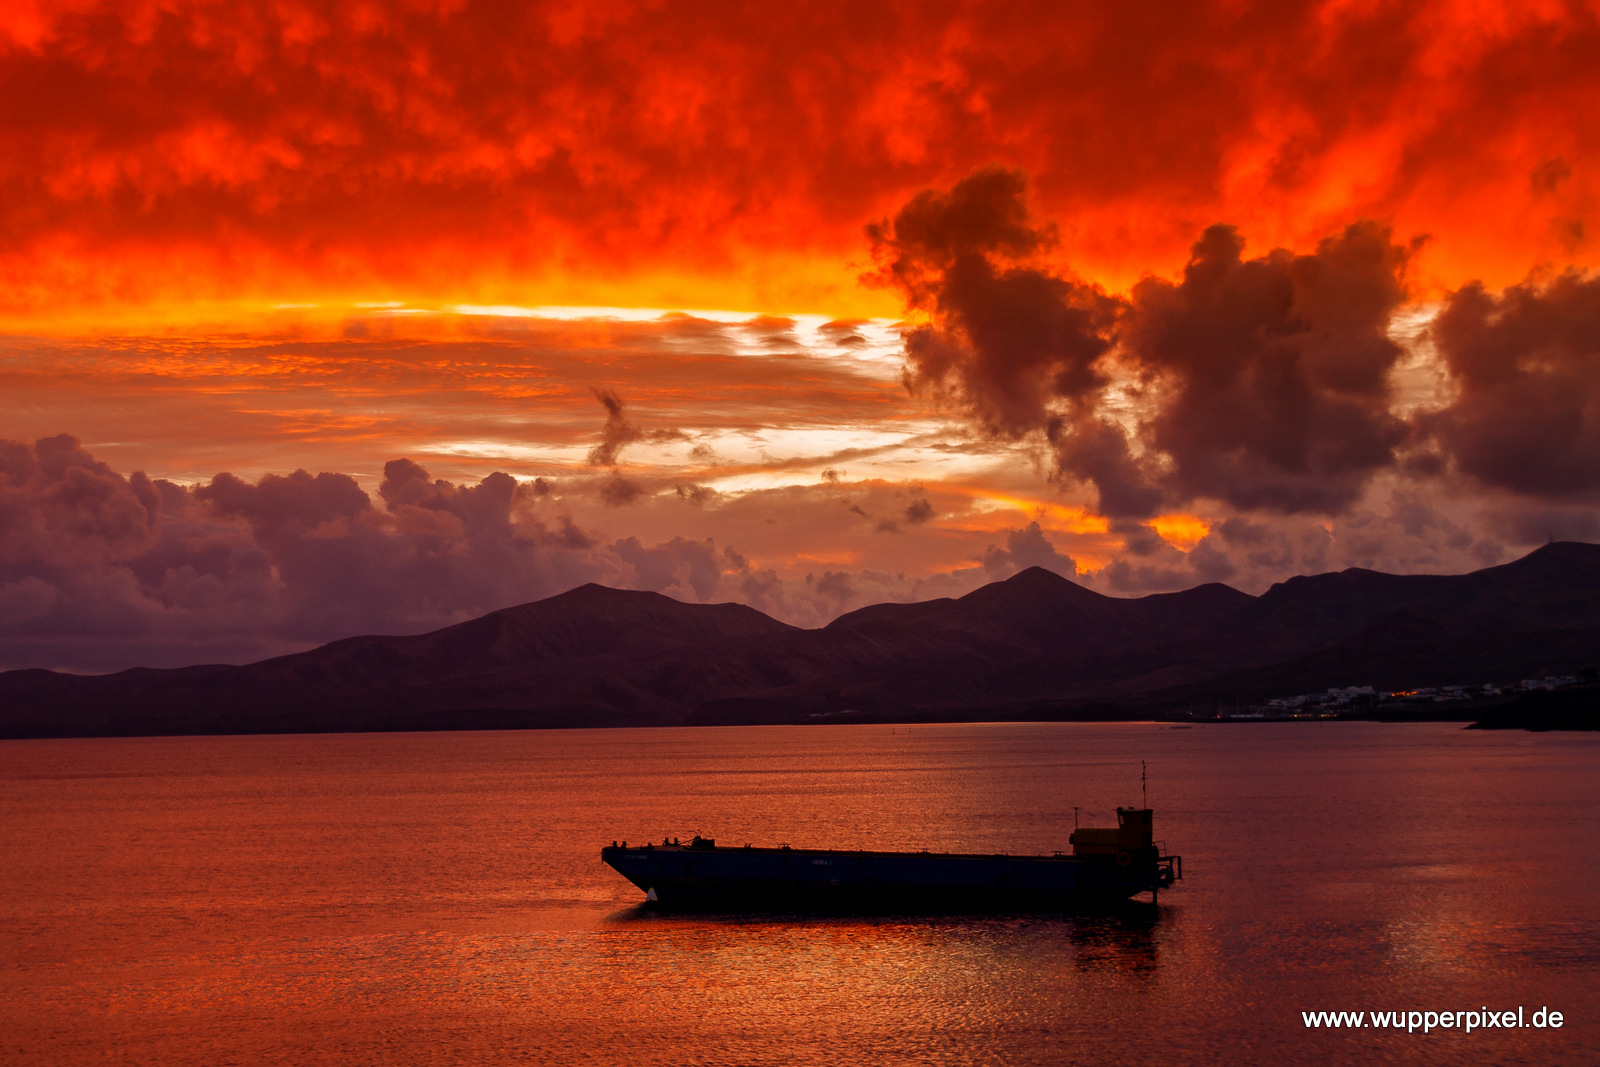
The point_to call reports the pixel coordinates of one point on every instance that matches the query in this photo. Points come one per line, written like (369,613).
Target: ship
(1106,865)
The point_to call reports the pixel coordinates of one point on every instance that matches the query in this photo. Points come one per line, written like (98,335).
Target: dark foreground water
(438,898)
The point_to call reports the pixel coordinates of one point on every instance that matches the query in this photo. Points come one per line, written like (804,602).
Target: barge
(1106,865)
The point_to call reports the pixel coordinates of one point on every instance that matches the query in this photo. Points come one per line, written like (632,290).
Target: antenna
(1074,816)
(1144,786)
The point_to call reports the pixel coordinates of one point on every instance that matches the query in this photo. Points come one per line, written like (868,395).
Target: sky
(320,319)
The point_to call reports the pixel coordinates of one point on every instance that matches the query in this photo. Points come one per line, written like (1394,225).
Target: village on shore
(1447,702)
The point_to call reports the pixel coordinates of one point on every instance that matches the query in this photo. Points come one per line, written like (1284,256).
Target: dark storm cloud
(1526,365)
(1007,336)
(984,214)
(1097,451)
(1269,377)
(1278,369)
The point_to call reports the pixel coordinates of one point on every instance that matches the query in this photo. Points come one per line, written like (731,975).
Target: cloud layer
(154,152)
(100,571)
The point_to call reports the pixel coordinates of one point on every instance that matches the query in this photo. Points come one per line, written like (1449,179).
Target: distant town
(1365,701)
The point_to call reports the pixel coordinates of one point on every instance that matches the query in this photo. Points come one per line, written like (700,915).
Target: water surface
(438,898)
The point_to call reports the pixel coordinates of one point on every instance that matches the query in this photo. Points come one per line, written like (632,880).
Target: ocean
(439,899)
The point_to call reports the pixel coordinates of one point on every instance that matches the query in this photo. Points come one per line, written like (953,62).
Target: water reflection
(406,899)
(1129,942)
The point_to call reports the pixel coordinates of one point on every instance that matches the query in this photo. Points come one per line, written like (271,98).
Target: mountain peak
(1036,576)
(1034,585)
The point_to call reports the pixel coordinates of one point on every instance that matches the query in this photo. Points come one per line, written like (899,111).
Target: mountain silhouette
(1036,645)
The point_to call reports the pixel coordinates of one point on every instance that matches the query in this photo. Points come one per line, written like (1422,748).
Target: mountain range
(1035,646)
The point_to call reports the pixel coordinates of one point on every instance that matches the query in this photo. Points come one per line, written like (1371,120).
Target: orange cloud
(1182,532)
(157,156)
(994,510)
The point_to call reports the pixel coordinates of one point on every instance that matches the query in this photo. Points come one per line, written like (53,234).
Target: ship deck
(703,874)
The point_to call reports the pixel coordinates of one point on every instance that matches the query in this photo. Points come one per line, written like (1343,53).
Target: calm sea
(438,898)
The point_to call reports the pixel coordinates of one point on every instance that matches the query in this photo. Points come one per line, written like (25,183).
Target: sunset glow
(807,307)
(1182,532)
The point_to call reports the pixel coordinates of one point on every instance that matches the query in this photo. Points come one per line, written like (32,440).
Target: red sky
(260,237)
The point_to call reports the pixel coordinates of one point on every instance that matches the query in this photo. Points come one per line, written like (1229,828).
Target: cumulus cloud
(1027,547)
(1275,370)
(1265,381)
(1096,450)
(99,571)
(1526,364)
(1007,337)
(61,507)
(833,586)
(689,570)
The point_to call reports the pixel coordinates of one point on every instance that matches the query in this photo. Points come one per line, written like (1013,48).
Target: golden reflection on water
(439,898)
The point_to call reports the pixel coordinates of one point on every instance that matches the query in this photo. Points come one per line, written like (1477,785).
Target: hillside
(1036,645)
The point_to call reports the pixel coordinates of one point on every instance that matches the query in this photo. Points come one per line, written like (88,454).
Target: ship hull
(687,877)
